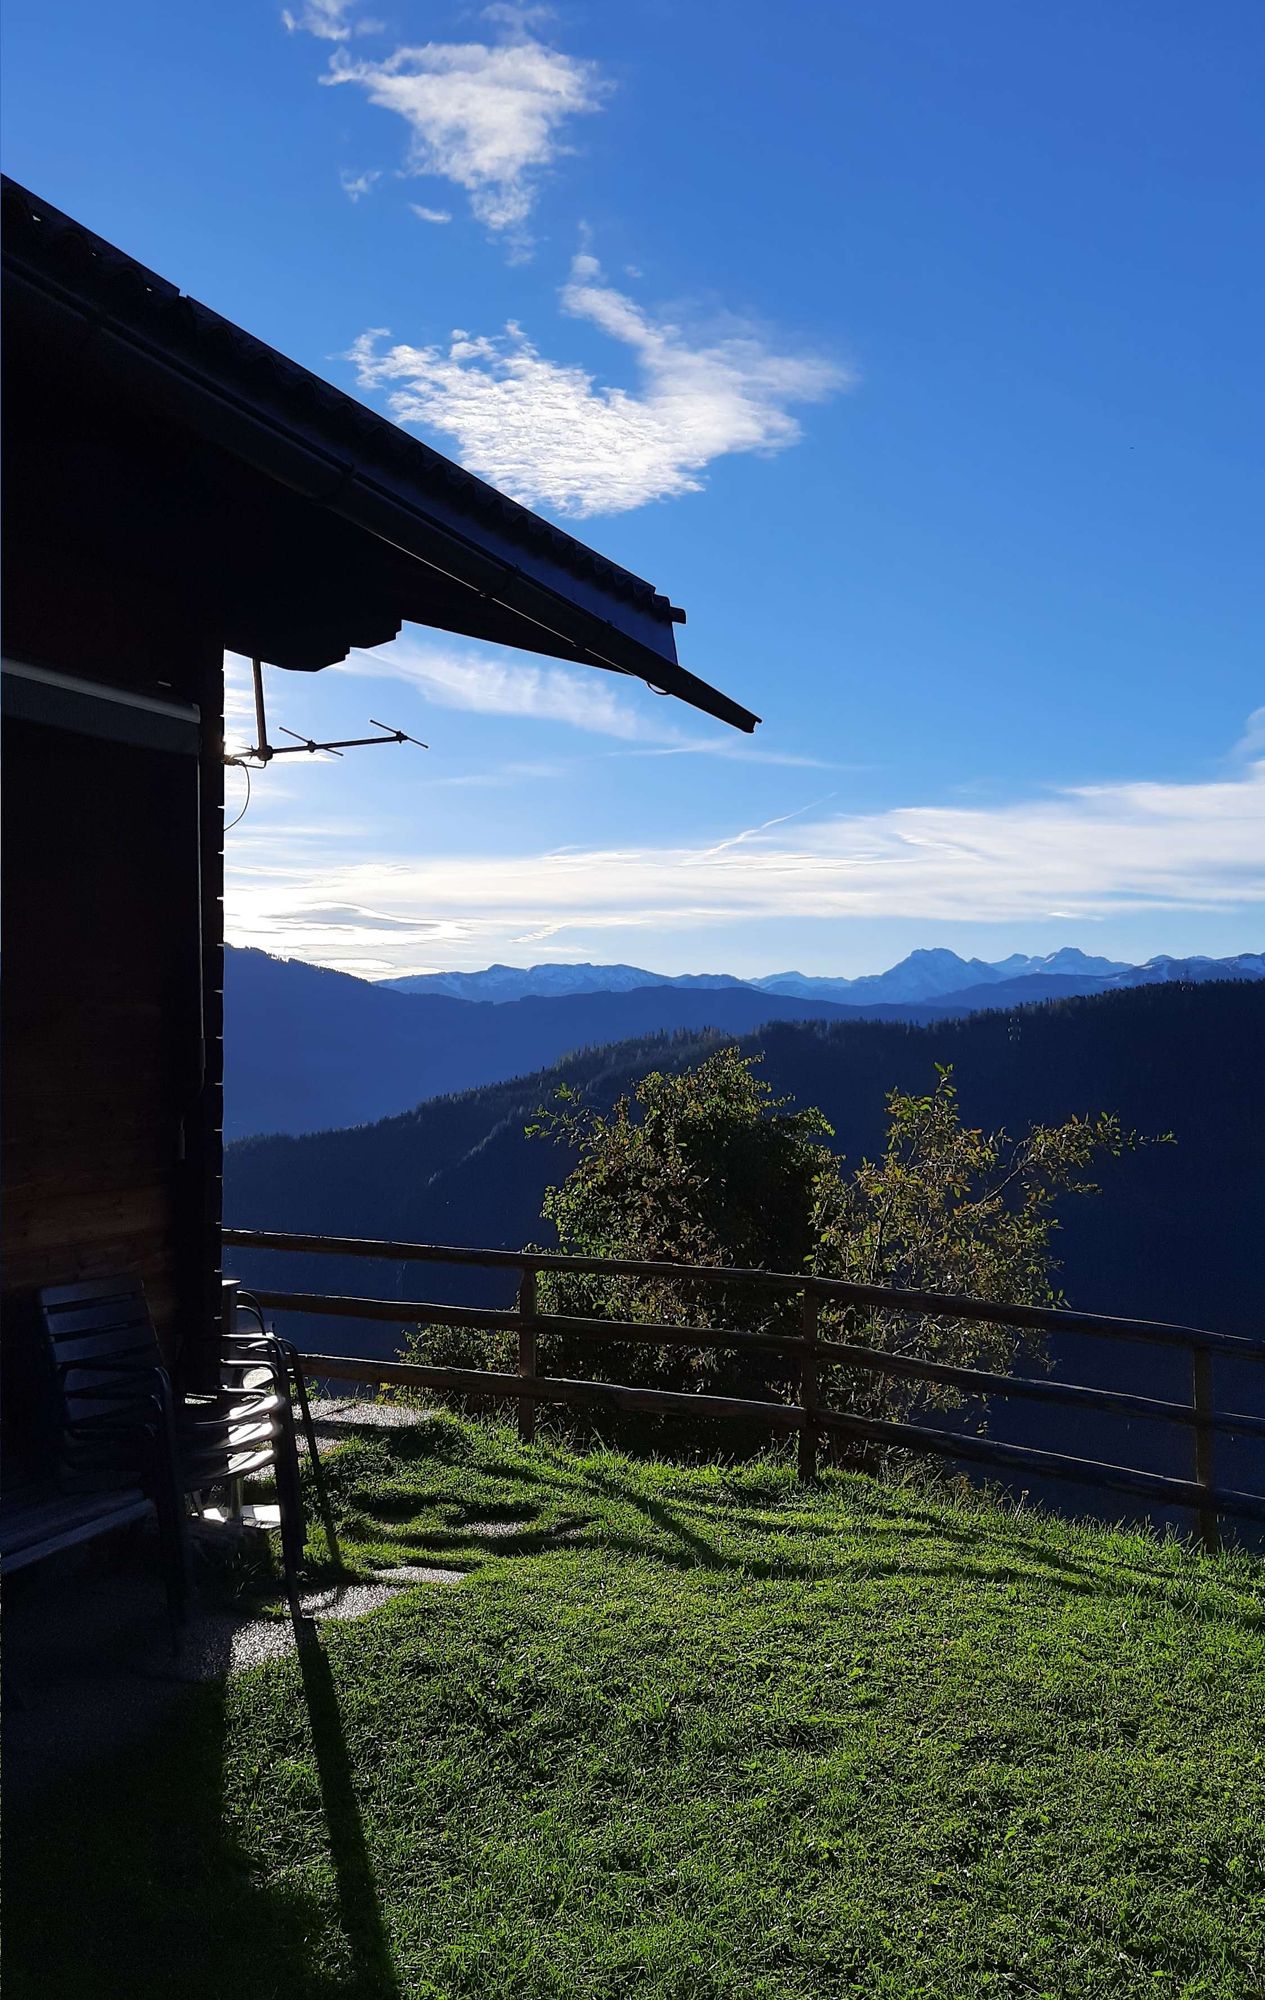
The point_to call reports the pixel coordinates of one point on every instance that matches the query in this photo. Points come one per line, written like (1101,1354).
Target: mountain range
(923,975)
(308,1049)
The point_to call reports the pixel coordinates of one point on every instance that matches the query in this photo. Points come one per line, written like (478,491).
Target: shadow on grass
(360,1909)
(993,1552)
(127,1885)
(694,1546)
(128,1881)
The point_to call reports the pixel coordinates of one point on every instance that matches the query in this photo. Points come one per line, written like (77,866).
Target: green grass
(692,1733)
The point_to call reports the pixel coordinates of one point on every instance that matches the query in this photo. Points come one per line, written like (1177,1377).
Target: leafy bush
(708,1168)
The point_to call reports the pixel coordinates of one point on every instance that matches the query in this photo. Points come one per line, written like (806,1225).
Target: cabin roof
(324,526)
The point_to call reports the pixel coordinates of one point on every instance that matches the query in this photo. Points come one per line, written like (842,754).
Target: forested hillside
(306,1049)
(1176,1233)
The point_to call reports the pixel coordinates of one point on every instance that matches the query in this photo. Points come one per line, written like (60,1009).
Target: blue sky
(914,349)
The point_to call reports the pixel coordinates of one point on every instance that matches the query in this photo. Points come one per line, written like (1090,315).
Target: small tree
(950,1209)
(708,1167)
(701,1167)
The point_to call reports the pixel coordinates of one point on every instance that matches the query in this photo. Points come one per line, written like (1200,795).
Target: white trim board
(95,708)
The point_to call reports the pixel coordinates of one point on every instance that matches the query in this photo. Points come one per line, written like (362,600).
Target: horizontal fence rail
(810,1418)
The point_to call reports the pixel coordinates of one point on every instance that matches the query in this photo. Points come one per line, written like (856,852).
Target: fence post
(1201,1376)
(527,1351)
(808,1388)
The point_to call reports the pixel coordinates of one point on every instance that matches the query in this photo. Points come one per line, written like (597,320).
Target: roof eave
(279,419)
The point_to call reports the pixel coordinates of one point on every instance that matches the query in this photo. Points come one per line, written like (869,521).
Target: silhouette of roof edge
(115,293)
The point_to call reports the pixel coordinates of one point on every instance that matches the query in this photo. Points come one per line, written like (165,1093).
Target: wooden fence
(805,1351)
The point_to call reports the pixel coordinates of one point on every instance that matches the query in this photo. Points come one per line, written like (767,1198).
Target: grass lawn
(690,1733)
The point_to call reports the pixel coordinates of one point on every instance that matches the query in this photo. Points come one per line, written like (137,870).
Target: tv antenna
(262,752)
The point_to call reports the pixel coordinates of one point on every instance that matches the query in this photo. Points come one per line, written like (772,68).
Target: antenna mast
(262,752)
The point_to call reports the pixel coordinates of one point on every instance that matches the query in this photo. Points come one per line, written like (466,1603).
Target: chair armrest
(241,1350)
(114,1404)
(91,1429)
(105,1365)
(215,1430)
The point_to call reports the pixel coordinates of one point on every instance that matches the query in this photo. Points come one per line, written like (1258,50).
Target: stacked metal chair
(118,1421)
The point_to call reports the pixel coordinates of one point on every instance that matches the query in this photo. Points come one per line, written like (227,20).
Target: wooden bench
(37,1521)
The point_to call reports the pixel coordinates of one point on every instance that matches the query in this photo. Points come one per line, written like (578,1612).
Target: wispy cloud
(239,701)
(489,117)
(520,19)
(740,749)
(550,434)
(1083,853)
(328,20)
(488,683)
(425,214)
(356,185)
(750,833)
(341,915)
(1251,744)
(484,681)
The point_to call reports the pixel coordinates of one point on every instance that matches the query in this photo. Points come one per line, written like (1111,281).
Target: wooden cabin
(175,489)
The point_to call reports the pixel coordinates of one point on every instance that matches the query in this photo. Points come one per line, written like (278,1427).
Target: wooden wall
(110,1049)
(99,1047)
(109,1132)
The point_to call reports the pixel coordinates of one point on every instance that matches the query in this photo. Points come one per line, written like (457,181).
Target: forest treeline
(1174,1234)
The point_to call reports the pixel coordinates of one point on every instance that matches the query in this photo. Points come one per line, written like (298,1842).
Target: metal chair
(284,1360)
(244,1428)
(112,1414)
(107,1361)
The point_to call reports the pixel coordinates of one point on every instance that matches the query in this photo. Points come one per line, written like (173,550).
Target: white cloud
(328,21)
(740,749)
(239,701)
(490,684)
(484,681)
(354,185)
(1085,853)
(550,435)
(425,214)
(489,118)
(507,15)
(1252,742)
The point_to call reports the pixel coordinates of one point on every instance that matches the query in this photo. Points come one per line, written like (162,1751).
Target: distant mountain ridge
(925,975)
(935,974)
(501,983)
(307,1049)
